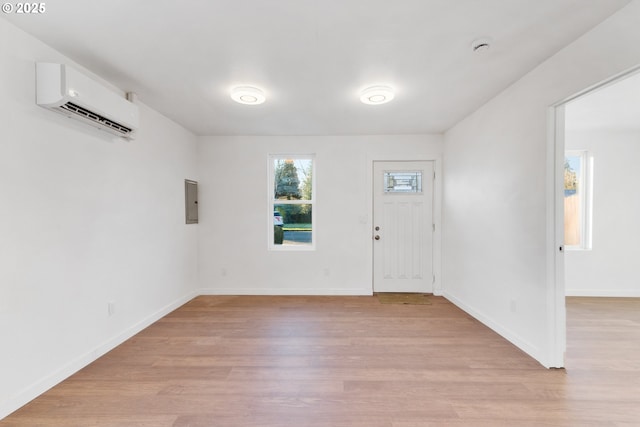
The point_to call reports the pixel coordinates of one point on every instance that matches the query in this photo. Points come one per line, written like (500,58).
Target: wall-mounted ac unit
(62,89)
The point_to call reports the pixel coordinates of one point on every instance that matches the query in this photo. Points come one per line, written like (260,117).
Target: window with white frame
(578,180)
(291,202)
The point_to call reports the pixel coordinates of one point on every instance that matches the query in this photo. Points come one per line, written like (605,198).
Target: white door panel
(403,216)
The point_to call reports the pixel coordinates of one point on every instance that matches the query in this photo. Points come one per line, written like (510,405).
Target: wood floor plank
(260,361)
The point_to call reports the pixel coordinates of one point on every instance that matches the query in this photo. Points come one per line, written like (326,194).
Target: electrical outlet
(111,308)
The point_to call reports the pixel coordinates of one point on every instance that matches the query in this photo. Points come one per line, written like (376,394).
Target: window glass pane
(292,179)
(296,228)
(403,182)
(573,215)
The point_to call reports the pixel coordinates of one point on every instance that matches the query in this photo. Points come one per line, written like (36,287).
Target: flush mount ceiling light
(248,95)
(376,95)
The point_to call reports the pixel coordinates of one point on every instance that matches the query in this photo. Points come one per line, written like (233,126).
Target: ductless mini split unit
(62,89)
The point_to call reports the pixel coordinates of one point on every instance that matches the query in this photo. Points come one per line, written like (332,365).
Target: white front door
(403,226)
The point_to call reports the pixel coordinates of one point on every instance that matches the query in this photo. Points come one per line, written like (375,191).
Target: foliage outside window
(291,202)
(577,196)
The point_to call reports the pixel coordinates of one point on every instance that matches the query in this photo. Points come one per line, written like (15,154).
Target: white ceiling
(312,57)
(615,107)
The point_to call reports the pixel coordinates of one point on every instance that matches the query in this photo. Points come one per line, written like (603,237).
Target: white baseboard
(622,293)
(31,392)
(287,291)
(506,333)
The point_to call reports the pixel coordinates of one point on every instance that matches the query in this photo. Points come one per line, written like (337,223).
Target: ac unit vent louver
(76,109)
(66,91)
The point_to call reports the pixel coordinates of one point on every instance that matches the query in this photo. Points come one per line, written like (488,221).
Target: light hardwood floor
(350,361)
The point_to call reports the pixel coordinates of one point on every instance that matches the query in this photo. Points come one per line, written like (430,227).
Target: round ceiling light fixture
(248,95)
(376,95)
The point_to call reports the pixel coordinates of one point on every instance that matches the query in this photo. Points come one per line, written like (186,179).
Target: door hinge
(433,226)
(433,281)
(434,175)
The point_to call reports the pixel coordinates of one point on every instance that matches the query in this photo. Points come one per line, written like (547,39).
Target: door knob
(377,237)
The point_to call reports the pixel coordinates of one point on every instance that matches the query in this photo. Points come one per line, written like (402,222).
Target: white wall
(84,220)
(496,262)
(611,267)
(233,253)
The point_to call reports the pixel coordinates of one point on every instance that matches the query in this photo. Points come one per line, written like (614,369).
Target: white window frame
(585,195)
(272,203)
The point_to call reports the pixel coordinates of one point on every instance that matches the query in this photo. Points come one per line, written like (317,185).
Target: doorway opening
(596,144)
